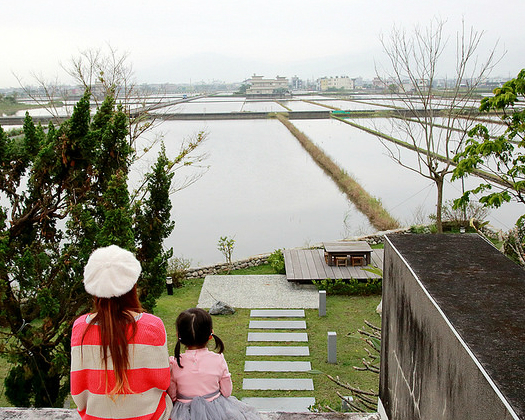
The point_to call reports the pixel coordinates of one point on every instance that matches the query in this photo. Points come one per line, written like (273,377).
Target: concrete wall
(428,370)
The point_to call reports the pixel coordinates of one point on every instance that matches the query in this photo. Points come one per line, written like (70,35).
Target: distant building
(379,83)
(422,83)
(260,87)
(297,83)
(331,83)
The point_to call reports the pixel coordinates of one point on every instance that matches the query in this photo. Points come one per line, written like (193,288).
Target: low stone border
(373,239)
(201,272)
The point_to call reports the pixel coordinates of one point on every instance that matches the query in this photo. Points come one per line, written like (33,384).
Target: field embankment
(370,206)
(423,152)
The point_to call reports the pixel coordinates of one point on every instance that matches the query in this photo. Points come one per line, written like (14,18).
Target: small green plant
(363,401)
(276,261)
(350,287)
(177,267)
(226,245)
(463,213)
(360,400)
(423,229)
(514,242)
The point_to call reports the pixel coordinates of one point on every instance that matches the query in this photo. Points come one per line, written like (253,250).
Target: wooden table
(348,249)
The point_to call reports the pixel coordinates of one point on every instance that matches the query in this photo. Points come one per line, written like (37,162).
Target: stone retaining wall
(201,272)
(373,239)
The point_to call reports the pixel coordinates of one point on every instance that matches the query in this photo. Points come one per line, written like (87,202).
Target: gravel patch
(258,291)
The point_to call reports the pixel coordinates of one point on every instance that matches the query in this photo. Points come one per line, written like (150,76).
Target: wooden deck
(305,265)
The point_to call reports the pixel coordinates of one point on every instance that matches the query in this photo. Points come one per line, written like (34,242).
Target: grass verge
(257,270)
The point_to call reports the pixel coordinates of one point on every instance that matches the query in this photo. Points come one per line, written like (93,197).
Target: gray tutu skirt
(221,408)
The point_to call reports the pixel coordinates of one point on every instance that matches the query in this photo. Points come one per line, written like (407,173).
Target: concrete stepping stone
(284,404)
(278,325)
(274,366)
(277,336)
(288,384)
(277,351)
(277,313)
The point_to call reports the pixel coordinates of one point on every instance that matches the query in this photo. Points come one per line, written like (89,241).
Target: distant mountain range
(209,67)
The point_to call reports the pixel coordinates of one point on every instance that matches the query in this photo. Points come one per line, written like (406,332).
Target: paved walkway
(258,291)
(278,344)
(276,327)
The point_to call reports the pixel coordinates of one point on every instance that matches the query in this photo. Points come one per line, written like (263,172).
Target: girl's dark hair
(194,328)
(113,319)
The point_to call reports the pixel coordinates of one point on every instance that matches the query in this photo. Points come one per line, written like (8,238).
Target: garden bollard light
(322,302)
(332,347)
(169,285)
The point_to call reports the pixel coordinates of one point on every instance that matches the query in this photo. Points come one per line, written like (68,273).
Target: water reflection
(405,194)
(261,188)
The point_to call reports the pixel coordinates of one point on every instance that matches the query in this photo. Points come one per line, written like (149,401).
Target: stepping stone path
(278,325)
(275,321)
(271,366)
(278,336)
(277,351)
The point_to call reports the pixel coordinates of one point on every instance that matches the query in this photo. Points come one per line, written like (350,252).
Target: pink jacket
(202,373)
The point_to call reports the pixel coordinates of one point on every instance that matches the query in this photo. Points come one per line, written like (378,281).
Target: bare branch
(415,61)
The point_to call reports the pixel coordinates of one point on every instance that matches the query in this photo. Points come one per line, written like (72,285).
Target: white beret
(111,271)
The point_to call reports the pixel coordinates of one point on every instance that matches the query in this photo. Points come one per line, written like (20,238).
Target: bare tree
(435,121)
(107,72)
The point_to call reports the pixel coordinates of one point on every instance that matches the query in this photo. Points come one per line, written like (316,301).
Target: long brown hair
(113,317)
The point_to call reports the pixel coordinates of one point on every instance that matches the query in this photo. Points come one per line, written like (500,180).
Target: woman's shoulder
(150,327)
(150,319)
(81,322)
(79,326)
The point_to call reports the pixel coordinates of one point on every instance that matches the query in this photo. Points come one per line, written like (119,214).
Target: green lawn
(345,314)
(3,372)
(258,270)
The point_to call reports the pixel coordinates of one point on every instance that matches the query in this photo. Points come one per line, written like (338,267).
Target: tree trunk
(439,203)
(46,383)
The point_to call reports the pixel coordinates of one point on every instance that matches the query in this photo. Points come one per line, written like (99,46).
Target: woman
(119,355)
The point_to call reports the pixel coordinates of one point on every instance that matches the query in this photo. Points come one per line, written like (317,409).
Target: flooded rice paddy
(260,187)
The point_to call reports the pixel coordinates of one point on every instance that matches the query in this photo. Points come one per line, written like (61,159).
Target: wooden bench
(341,261)
(356,260)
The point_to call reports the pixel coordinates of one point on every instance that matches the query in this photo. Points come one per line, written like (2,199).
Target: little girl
(201,385)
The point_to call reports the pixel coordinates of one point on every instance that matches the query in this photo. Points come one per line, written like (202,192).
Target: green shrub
(177,268)
(350,287)
(276,261)
(514,242)
(423,229)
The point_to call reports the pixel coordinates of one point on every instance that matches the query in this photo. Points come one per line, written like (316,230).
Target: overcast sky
(229,40)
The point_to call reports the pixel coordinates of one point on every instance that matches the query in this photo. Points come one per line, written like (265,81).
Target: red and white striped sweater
(148,374)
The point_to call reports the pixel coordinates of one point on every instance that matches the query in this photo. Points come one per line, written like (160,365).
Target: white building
(267,87)
(343,82)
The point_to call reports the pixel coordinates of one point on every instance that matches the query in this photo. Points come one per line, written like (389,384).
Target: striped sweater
(148,374)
